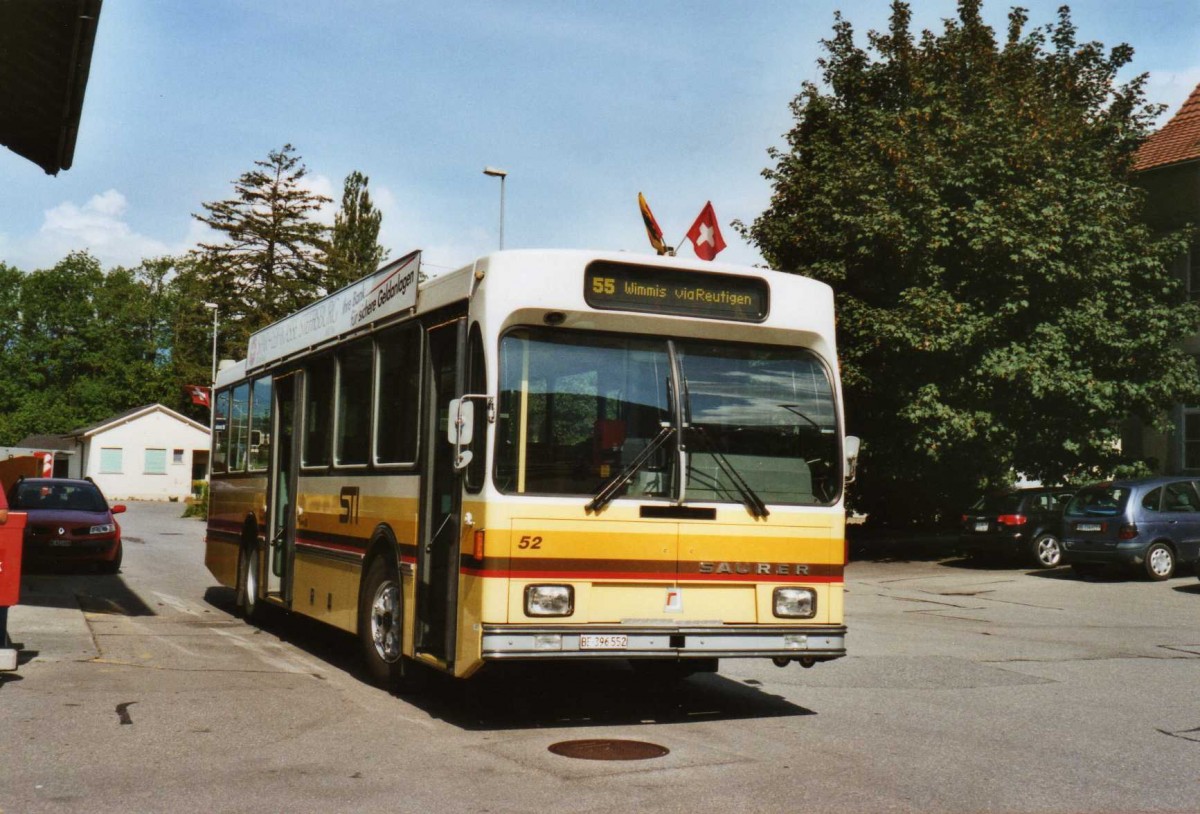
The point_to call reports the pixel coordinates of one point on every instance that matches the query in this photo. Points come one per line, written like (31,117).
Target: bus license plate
(981,526)
(589,641)
(1087,527)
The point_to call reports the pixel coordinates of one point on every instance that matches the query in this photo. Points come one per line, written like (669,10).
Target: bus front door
(282,539)
(437,566)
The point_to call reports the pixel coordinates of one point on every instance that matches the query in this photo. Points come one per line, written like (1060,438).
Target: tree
(82,345)
(1001,307)
(354,249)
(271,262)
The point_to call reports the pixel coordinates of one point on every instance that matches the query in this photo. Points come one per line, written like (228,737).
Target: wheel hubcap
(1048,552)
(1160,562)
(385,622)
(251,581)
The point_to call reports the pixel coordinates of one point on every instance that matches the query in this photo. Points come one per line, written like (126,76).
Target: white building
(148,453)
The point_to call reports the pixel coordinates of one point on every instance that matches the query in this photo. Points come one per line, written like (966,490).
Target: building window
(177,456)
(156,462)
(1191,437)
(110,460)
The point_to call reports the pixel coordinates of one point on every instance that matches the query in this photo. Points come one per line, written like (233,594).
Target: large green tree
(1001,307)
(354,249)
(271,259)
(82,345)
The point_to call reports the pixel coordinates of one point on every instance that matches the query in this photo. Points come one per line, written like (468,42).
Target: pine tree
(354,249)
(271,262)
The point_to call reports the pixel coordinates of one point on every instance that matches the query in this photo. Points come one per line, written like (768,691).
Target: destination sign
(388,291)
(626,287)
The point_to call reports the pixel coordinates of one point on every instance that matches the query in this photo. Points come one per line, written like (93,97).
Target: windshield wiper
(749,497)
(795,410)
(609,490)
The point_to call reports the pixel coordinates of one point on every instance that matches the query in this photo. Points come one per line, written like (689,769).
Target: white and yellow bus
(543,455)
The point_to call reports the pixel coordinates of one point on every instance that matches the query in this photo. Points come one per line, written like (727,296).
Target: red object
(68,521)
(1128,531)
(705,234)
(47,459)
(198,393)
(12,532)
(1012,519)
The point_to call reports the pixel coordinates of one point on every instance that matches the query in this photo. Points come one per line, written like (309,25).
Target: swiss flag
(705,234)
(198,393)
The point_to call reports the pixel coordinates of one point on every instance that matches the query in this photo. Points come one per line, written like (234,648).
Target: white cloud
(98,227)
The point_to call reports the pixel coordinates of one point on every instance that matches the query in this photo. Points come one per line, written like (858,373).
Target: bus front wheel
(381,628)
(246,601)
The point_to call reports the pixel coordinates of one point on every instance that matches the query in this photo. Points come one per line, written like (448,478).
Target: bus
(543,455)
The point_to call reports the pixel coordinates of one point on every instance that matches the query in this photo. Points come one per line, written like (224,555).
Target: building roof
(130,415)
(45,57)
(55,442)
(1178,140)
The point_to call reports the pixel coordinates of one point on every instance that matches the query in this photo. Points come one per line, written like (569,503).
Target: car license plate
(588,641)
(60,543)
(981,526)
(1088,527)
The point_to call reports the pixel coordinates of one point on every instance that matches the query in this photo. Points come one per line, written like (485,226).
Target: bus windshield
(577,408)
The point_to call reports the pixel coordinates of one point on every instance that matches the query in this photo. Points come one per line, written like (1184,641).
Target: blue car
(1151,525)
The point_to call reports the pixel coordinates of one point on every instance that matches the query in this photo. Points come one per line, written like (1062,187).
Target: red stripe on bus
(605,576)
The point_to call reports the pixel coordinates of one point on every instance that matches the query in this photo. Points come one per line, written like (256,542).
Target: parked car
(1151,525)
(67,521)
(1021,522)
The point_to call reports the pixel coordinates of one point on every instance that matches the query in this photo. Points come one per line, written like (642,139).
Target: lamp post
(212,385)
(501,174)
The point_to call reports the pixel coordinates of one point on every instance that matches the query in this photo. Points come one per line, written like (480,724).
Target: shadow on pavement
(882,545)
(534,696)
(91,593)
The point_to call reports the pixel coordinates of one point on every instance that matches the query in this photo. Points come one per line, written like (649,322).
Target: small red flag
(198,393)
(705,234)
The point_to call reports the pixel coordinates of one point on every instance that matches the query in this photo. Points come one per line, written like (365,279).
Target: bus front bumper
(808,642)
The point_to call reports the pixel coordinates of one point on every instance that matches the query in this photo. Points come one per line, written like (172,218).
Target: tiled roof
(1179,140)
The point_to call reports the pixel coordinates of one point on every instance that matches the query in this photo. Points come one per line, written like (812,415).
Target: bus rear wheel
(245,604)
(381,628)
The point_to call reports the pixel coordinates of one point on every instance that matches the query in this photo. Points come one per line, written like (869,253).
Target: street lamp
(501,174)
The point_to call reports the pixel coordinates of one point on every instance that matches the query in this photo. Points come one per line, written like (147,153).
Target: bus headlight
(549,600)
(795,603)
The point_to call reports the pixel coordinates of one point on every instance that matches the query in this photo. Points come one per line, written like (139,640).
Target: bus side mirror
(460,427)
(851,445)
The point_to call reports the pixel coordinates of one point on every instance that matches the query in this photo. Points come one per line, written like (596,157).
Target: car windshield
(577,409)
(79,497)
(1001,503)
(1098,501)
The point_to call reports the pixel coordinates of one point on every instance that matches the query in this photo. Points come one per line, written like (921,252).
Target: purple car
(68,522)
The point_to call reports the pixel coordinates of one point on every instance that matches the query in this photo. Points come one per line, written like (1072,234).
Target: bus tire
(245,603)
(381,628)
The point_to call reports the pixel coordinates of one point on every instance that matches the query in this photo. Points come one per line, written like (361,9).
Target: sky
(584,104)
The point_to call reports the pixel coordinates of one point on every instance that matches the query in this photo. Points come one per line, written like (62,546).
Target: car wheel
(246,603)
(381,628)
(114,565)
(1160,562)
(1047,551)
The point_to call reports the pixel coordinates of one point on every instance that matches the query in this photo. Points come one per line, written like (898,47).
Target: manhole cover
(604,749)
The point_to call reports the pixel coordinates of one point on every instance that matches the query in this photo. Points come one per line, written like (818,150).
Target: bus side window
(477,383)
(221,432)
(354,404)
(260,424)
(397,396)
(239,427)
(318,410)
